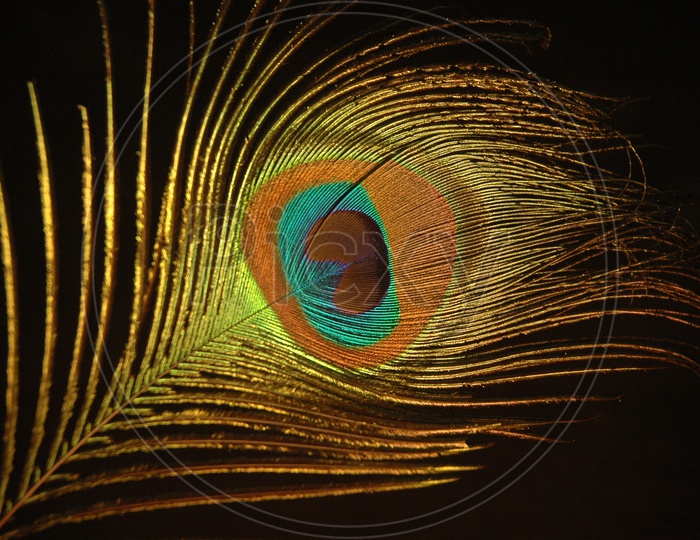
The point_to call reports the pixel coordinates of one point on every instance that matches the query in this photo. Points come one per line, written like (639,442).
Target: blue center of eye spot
(334,253)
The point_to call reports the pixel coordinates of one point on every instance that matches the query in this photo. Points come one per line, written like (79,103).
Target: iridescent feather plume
(364,267)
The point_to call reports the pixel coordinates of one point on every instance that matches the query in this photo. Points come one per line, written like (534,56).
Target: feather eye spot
(348,270)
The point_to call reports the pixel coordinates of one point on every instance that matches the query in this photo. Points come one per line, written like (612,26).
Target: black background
(632,473)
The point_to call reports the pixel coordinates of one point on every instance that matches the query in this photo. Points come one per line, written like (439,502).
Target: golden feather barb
(230,366)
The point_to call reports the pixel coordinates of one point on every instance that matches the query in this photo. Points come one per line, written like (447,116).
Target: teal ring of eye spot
(314,282)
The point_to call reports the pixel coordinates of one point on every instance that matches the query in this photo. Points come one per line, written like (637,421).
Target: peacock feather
(359,268)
